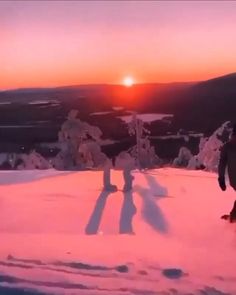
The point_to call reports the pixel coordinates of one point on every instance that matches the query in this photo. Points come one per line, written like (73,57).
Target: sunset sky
(49,43)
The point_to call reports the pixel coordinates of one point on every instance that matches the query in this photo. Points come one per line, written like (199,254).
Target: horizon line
(110,84)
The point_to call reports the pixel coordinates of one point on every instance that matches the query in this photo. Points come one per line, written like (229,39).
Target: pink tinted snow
(174,215)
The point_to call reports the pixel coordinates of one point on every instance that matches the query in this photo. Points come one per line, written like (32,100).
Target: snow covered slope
(60,234)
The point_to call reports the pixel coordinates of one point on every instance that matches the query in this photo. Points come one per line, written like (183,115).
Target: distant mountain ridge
(229,78)
(200,106)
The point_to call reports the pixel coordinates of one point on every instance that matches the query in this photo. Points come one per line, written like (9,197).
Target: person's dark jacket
(228,160)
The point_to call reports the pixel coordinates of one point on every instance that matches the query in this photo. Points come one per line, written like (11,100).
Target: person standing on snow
(228,159)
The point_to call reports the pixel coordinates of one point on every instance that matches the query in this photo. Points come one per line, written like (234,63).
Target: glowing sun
(128,81)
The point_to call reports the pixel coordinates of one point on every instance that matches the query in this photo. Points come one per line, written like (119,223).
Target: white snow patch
(107,141)
(42,102)
(17,126)
(118,108)
(145,117)
(177,136)
(100,113)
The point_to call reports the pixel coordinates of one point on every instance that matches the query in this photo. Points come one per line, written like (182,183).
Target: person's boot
(232,216)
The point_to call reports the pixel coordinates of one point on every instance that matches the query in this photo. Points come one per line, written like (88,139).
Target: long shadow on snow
(155,188)
(151,213)
(96,216)
(128,211)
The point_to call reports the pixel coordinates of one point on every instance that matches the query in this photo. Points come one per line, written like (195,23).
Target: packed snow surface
(61,234)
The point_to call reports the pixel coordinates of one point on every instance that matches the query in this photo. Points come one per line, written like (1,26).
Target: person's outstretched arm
(222,167)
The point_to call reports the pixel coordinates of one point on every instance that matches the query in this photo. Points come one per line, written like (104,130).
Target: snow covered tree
(143,152)
(195,164)
(183,158)
(209,148)
(72,134)
(80,149)
(209,151)
(32,161)
(93,157)
(8,161)
(91,154)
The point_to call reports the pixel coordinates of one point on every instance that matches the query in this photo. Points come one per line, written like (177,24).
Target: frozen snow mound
(183,158)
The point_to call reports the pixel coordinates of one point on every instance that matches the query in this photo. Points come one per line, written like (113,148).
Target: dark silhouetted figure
(228,159)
